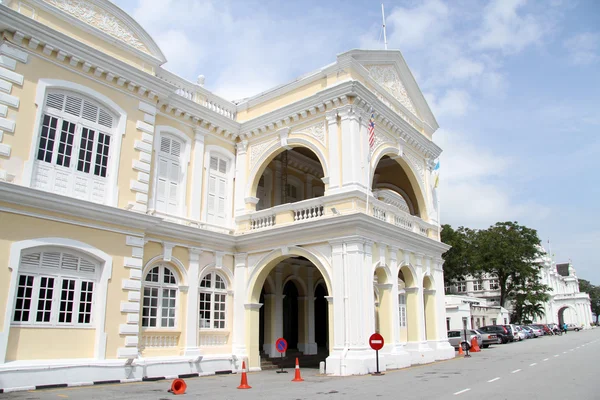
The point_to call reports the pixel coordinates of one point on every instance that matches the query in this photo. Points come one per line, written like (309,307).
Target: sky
(514,85)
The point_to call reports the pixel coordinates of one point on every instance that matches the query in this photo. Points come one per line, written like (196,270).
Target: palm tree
(533,310)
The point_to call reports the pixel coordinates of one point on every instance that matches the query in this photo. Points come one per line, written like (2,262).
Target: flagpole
(384,33)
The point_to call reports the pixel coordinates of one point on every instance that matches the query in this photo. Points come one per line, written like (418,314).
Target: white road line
(531,365)
(564,352)
(493,380)
(556,355)
(545,359)
(515,371)
(462,391)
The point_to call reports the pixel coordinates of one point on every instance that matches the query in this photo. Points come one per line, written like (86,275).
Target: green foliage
(594,292)
(528,300)
(457,260)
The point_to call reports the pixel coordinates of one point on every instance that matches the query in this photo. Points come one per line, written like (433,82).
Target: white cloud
(454,103)
(504,28)
(414,27)
(464,68)
(182,54)
(470,185)
(584,49)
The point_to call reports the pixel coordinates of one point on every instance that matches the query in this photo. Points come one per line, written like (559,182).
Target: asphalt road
(556,367)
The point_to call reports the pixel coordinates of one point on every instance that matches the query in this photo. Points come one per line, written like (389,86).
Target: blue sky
(514,85)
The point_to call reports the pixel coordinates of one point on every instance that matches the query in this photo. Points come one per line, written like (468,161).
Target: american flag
(371,130)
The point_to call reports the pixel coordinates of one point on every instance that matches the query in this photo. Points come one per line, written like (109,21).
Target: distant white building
(467,312)
(566,302)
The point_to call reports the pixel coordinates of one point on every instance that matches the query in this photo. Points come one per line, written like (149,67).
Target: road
(556,367)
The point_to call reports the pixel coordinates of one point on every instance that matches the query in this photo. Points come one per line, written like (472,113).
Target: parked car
(573,327)
(487,338)
(457,338)
(527,331)
(537,330)
(544,328)
(504,336)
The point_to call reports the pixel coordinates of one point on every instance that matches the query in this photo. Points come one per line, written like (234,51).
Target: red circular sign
(376,341)
(281,345)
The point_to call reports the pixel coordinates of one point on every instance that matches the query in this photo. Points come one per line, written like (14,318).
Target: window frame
(120,120)
(460,285)
(402,317)
(59,275)
(212,291)
(184,162)
(160,286)
(478,285)
(217,151)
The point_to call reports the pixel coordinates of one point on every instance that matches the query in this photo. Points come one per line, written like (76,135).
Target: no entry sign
(376,341)
(281,345)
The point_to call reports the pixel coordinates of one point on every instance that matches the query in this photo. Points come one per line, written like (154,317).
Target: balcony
(329,207)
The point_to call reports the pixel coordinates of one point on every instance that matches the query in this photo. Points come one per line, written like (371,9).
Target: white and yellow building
(151,228)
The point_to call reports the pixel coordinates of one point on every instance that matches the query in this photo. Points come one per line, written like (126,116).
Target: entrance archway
(290,315)
(567,314)
(321,318)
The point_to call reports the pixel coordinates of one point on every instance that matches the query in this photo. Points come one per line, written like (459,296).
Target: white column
(334,152)
(278,322)
(308,192)
(311,345)
(398,354)
(241,172)
(277,183)
(239,310)
(351,149)
(197,175)
(191,324)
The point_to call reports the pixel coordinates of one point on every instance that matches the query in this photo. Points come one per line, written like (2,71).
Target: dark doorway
(290,315)
(321,317)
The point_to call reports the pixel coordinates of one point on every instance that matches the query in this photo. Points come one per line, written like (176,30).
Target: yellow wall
(50,343)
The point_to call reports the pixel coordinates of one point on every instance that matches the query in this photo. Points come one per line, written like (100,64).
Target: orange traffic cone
(460,350)
(297,378)
(178,386)
(474,345)
(244,382)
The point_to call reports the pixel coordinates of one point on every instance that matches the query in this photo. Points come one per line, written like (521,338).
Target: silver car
(457,337)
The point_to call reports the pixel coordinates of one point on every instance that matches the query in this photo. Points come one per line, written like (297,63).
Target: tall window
(461,287)
(160,298)
(217,190)
(168,183)
(478,286)
(494,284)
(55,288)
(402,309)
(213,301)
(74,145)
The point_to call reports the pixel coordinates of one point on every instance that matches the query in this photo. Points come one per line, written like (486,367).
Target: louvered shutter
(221,200)
(212,199)
(162,184)
(173,188)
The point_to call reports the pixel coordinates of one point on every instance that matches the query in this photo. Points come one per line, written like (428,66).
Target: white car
(536,330)
(518,333)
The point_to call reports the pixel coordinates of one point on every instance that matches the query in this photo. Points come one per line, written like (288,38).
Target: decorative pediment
(387,76)
(109,19)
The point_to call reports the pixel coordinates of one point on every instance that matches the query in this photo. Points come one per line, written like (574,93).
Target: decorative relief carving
(387,77)
(317,131)
(418,163)
(256,150)
(99,19)
(380,139)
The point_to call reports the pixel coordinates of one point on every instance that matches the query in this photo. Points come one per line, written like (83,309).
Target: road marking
(531,365)
(545,359)
(493,380)
(462,391)
(556,355)
(515,371)
(564,352)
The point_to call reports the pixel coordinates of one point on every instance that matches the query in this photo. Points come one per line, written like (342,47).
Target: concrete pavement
(556,367)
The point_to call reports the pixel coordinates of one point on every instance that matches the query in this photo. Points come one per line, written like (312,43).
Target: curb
(112,381)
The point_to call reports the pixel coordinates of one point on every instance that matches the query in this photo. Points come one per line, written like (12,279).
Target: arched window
(55,288)
(74,147)
(169,176)
(213,301)
(160,298)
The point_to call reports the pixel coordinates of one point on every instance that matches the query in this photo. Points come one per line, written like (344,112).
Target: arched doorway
(298,177)
(290,315)
(407,303)
(321,318)
(429,308)
(567,314)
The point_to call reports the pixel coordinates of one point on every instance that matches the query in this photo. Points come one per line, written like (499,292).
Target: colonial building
(565,304)
(151,228)
(467,312)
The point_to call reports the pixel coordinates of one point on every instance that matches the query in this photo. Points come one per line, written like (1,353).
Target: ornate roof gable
(387,76)
(110,20)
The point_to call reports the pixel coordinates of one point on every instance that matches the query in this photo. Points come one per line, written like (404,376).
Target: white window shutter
(222,200)
(162,185)
(172,207)
(212,195)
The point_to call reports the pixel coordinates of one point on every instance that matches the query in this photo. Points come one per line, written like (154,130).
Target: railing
(199,94)
(394,215)
(213,339)
(286,214)
(260,222)
(308,212)
(160,339)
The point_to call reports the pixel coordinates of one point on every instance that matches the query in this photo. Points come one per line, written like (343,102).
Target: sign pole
(377,361)
(281,346)
(467,346)
(376,342)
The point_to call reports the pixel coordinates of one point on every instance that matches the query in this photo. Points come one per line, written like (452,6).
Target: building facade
(151,228)
(566,304)
(467,312)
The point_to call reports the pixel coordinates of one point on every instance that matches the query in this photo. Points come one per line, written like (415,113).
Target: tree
(458,261)
(594,292)
(510,252)
(528,300)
